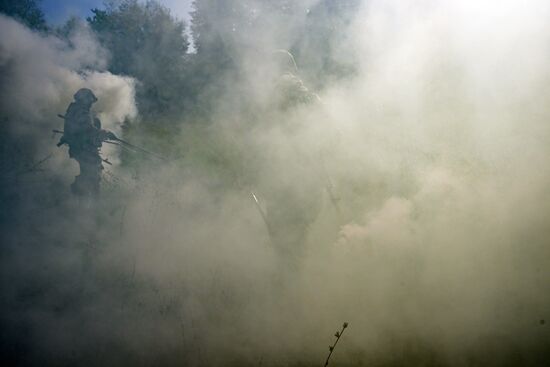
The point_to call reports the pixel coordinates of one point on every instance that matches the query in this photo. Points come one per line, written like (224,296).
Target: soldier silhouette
(84,136)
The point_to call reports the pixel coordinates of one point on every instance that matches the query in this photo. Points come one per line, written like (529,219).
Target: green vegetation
(26,11)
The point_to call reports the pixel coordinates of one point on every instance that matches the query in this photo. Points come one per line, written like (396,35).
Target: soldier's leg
(90,174)
(78,186)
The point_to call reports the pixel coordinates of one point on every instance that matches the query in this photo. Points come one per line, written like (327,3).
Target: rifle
(115,141)
(262,213)
(135,147)
(329,186)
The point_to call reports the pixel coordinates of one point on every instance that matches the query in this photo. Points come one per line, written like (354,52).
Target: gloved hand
(111,136)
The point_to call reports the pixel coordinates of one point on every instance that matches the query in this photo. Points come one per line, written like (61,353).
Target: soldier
(293,197)
(289,88)
(83,134)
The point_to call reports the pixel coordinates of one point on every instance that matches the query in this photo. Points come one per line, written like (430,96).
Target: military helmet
(85,95)
(285,61)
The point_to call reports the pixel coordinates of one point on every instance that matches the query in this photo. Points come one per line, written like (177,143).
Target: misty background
(417,184)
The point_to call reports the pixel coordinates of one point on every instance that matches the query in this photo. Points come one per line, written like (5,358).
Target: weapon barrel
(121,143)
(140,149)
(262,213)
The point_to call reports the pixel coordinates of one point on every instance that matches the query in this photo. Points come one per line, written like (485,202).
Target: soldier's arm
(106,135)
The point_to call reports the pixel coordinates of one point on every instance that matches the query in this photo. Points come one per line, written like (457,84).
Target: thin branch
(34,167)
(338,335)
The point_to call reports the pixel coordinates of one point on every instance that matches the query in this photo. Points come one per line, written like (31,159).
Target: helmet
(85,95)
(285,61)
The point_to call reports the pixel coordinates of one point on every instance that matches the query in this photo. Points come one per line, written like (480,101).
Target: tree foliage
(145,41)
(215,25)
(26,11)
(323,48)
(148,43)
(227,32)
(316,35)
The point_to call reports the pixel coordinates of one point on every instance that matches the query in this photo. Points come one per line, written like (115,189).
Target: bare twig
(338,335)
(34,167)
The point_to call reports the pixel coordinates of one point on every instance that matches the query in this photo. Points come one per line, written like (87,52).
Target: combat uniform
(292,198)
(83,134)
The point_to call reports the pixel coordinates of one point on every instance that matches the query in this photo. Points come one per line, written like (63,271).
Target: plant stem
(332,347)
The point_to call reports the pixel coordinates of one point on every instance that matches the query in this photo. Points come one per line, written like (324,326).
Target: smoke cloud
(422,183)
(41,73)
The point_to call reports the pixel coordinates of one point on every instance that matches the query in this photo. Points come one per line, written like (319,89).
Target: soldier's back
(78,121)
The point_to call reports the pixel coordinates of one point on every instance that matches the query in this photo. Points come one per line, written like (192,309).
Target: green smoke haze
(411,199)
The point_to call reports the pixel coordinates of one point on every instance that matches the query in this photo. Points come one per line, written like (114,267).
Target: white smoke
(434,246)
(41,73)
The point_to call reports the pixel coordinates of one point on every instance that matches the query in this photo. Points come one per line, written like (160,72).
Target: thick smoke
(427,176)
(41,73)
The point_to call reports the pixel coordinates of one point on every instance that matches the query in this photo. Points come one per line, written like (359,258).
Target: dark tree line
(147,42)
(26,11)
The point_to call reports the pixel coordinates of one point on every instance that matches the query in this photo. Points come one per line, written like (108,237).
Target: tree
(148,43)
(233,35)
(230,26)
(323,49)
(214,25)
(26,11)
